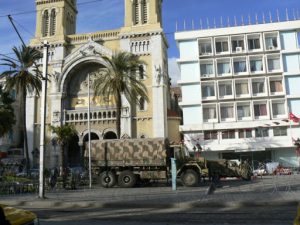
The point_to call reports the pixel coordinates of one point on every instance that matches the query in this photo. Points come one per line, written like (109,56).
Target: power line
(33,11)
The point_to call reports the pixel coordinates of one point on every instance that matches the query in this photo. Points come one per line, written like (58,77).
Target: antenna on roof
(221,21)
(200,23)
(286,14)
(176,26)
(215,25)
(193,27)
(249,19)
(235,23)
(264,19)
(278,19)
(242,20)
(207,21)
(228,21)
(270,17)
(183,24)
(256,18)
(294,14)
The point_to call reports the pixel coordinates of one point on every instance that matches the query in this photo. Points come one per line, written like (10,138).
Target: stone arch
(110,135)
(76,62)
(93,131)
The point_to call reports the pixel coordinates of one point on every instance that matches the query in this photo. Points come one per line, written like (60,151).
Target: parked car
(14,216)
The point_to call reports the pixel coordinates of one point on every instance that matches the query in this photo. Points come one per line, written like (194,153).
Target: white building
(238,86)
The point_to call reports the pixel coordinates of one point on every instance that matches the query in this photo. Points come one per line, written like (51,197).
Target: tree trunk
(118,119)
(25,132)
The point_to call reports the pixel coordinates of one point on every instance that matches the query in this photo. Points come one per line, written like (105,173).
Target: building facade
(73,56)
(239,85)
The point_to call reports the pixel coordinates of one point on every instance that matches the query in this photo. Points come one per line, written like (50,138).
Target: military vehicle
(125,161)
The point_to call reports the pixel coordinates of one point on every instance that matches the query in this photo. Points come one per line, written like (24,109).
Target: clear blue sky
(108,14)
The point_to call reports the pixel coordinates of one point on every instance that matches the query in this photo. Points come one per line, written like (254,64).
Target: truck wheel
(108,179)
(190,178)
(126,179)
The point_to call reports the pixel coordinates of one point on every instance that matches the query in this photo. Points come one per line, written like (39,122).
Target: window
(258,87)
(207,69)
(276,86)
(221,46)
(52,22)
(227,112)
(253,43)
(205,48)
(245,133)
(298,35)
(209,113)
(256,65)
(228,134)
(260,109)
(273,64)
(280,131)
(261,132)
(271,43)
(136,12)
(210,135)
(237,44)
(224,68)
(241,88)
(240,66)
(142,104)
(45,23)
(145,11)
(278,108)
(141,72)
(208,90)
(243,111)
(225,89)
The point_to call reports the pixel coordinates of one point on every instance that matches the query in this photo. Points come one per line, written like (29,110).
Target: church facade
(75,57)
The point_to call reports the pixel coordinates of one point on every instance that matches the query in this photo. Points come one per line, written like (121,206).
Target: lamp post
(43,121)
(89,130)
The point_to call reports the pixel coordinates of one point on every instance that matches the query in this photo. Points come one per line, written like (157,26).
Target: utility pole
(89,130)
(12,23)
(43,121)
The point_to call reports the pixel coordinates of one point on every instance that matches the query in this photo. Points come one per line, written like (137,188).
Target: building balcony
(81,115)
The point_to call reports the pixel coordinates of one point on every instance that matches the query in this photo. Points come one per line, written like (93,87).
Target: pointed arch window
(141,72)
(142,104)
(52,22)
(144,11)
(136,13)
(45,23)
(68,23)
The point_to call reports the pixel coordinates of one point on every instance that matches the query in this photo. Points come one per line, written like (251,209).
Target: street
(263,201)
(280,215)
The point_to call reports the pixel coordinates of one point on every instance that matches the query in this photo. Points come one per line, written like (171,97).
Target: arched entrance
(110,135)
(73,153)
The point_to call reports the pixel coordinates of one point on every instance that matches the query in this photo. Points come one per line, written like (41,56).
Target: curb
(131,204)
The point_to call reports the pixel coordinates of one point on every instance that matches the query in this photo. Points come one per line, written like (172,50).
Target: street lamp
(89,130)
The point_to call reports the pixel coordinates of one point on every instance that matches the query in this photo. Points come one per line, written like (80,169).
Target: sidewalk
(233,194)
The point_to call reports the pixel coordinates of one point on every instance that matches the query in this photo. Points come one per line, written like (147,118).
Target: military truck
(126,161)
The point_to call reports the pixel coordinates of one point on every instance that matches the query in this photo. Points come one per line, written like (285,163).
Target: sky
(97,15)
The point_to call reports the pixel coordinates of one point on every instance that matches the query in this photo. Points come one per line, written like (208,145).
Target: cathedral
(73,57)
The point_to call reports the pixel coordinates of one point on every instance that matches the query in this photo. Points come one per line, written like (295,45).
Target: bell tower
(55,19)
(143,13)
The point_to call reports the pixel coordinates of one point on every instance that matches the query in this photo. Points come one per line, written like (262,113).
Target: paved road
(271,200)
(271,215)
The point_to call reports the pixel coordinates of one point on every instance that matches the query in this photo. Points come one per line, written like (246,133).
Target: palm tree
(25,77)
(119,77)
(64,134)
(7,117)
